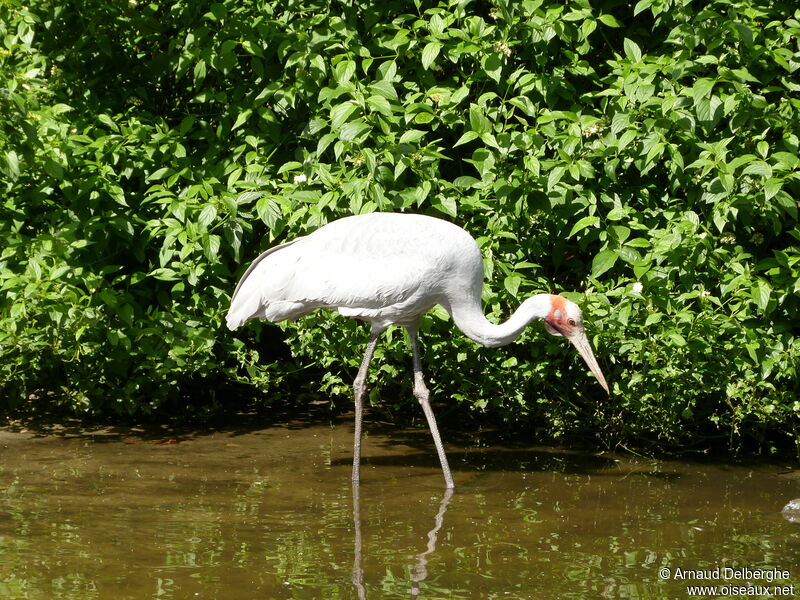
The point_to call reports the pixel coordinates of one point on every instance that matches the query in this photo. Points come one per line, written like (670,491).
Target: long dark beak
(581,342)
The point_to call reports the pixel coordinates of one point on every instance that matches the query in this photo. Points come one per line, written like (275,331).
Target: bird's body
(381,267)
(391,268)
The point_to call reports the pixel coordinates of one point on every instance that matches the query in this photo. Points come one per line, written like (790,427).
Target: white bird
(389,269)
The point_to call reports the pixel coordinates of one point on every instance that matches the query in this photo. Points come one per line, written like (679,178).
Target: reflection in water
(271,513)
(420,571)
(791,512)
(358,560)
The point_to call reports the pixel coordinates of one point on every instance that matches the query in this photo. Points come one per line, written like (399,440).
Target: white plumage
(390,268)
(383,267)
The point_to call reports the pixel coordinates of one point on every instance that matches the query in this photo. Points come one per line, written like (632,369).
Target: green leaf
(252,47)
(676,338)
(292,165)
(269,212)
(448,206)
(325,141)
(211,245)
(785,161)
(232,231)
(653,318)
(632,50)
(199,72)
(341,112)
(583,224)
(490,140)
(744,75)
(353,129)
(609,20)
(247,197)
(603,261)
(437,26)
(12,164)
(511,283)
(344,71)
(701,89)
(207,215)
(626,138)
(758,167)
(108,121)
(478,121)
(160,174)
(164,274)
(641,6)
(242,118)
(306,196)
(53,169)
(760,293)
(411,135)
(218,11)
(459,95)
(383,88)
(59,109)
(380,104)
(59,271)
(467,137)
(772,186)
(492,65)
(555,176)
(466,182)
(740,160)
(788,204)
(429,53)
(709,110)
(524,104)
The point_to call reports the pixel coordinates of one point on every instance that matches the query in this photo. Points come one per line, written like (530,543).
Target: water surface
(270,513)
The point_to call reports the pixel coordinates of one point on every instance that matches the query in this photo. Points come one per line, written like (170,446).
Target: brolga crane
(390,269)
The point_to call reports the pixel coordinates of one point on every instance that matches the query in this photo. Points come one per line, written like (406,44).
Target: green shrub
(642,158)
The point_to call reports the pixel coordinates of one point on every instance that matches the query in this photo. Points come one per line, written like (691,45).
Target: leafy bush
(645,155)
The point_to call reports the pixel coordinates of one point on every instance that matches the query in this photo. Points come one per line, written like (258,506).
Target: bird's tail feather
(234,321)
(275,311)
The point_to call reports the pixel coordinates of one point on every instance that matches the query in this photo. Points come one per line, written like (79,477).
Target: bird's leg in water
(358,561)
(422,394)
(359,389)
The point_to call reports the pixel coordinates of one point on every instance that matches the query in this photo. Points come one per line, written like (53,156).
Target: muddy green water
(270,513)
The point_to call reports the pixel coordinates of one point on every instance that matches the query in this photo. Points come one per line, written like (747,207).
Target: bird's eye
(571,322)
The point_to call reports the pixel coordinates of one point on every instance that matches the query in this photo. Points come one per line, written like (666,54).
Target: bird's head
(565,318)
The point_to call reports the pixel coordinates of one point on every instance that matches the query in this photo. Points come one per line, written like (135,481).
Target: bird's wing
(378,266)
(382,261)
(255,293)
(255,263)
(335,277)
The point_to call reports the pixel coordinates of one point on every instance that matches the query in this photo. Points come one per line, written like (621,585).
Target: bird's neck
(469,318)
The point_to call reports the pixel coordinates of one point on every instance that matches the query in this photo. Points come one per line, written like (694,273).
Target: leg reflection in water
(420,571)
(358,562)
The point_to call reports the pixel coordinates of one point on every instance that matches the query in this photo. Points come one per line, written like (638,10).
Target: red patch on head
(556,321)
(558,303)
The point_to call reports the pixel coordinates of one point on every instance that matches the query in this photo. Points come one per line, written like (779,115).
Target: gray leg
(358,562)
(360,388)
(422,395)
